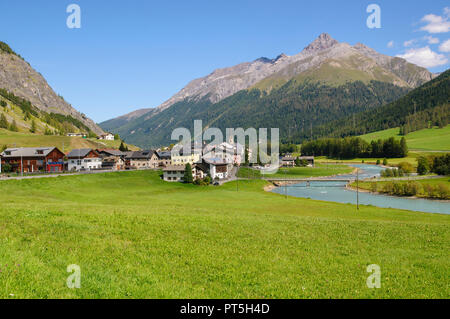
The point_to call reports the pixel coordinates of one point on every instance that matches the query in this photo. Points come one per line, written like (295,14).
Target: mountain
(303,85)
(124,119)
(423,107)
(20,79)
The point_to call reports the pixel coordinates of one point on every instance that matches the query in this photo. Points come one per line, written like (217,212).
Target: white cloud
(437,24)
(391,44)
(424,57)
(409,43)
(445,46)
(431,40)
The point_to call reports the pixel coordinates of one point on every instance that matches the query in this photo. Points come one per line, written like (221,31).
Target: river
(337,192)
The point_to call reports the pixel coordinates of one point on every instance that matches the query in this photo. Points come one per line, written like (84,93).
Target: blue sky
(138,53)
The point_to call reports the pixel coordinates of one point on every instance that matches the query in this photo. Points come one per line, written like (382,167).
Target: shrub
(406,167)
(374,187)
(378,162)
(411,189)
(6,168)
(443,191)
(385,162)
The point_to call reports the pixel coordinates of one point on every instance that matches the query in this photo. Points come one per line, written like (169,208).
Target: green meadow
(135,236)
(433,139)
(299,172)
(21,139)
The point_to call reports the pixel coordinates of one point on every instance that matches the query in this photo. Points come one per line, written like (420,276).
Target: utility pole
(285,182)
(357,188)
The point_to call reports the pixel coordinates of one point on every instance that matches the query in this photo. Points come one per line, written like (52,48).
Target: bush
(406,167)
(412,189)
(378,162)
(385,162)
(441,165)
(443,191)
(6,168)
(374,187)
(402,189)
(3,103)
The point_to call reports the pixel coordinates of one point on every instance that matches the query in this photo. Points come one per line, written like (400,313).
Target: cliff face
(18,77)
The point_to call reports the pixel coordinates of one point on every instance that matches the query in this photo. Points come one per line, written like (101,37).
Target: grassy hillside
(209,242)
(20,139)
(434,139)
(427,104)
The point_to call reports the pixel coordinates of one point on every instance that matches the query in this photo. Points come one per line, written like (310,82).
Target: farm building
(84,159)
(33,159)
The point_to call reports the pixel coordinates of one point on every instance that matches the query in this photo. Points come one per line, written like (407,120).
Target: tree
(33,127)
(3,121)
(123,148)
(422,166)
(403,147)
(385,162)
(188,174)
(13,127)
(116,137)
(246,157)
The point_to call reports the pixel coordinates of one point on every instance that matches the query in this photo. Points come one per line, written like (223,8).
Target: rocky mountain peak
(323,42)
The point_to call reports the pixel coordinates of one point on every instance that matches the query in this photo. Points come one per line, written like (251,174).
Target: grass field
(135,236)
(412,159)
(434,139)
(18,139)
(298,172)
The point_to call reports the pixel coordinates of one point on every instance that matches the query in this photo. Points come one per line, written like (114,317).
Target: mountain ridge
(325,60)
(18,77)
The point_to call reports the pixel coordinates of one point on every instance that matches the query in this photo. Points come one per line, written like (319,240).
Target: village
(212,165)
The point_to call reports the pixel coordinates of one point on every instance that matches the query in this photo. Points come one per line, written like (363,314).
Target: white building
(174,173)
(218,168)
(84,159)
(106,137)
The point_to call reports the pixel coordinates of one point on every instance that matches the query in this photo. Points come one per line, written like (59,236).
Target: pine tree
(188,174)
(403,147)
(3,121)
(33,127)
(13,127)
(123,148)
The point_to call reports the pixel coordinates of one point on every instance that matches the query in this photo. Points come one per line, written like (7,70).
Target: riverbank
(435,188)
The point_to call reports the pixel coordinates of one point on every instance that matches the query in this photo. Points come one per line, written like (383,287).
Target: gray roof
(165,155)
(79,153)
(178,168)
(112,152)
(27,152)
(215,161)
(141,154)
